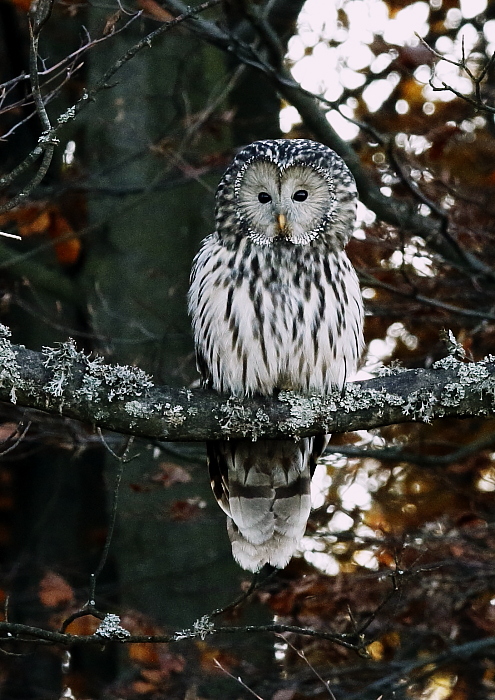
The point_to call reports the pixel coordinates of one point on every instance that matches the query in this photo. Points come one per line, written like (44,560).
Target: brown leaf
(284,694)
(112,20)
(8,430)
(170,474)
(144,654)
(54,590)
(215,661)
(67,251)
(155,11)
(142,687)
(186,509)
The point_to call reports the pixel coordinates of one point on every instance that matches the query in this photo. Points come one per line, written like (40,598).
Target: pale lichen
(448,362)
(238,418)
(474,375)
(201,628)
(391,370)
(454,347)
(173,415)
(116,382)
(138,409)
(304,410)
(61,361)
(452,394)
(472,372)
(111,628)
(10,376)
(357,399)
(420,405)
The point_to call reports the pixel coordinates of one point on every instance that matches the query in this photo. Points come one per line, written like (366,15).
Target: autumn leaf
(55,591)
(8,430)
(171,474)
(67,251)
(84,626)
(155,11)
(215,660)
(186,509)
(42,219)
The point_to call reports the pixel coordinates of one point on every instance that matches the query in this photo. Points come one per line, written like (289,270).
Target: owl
(275,305)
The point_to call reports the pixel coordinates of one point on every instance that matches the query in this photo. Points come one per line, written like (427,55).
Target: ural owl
(275,305)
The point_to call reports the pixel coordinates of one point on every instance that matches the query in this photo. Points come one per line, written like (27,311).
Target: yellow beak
(281,221)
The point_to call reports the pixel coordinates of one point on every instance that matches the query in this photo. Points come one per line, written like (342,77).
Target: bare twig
(17,441)
(122,459)
(238,679)
(371,281)
(397,454)
(477,80)
(302,655)
(48,139)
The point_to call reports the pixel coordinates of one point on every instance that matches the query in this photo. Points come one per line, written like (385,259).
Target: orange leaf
(215,661)
(31,221)
(145,654)
(86,625)
(142,687)
(23,5)
(8,430)
(155,11)
(67,251)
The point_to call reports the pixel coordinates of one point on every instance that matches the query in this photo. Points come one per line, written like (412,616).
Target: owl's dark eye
(264,198)
(300,196)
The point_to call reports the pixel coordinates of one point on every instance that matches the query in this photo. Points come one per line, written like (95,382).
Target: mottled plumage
(275,304)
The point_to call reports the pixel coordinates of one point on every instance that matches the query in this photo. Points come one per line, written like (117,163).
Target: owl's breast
(268,319)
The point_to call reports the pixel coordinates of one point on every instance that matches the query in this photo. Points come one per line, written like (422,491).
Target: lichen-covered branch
(125,399)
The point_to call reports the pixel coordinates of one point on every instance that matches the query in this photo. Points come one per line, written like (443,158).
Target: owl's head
(290,191)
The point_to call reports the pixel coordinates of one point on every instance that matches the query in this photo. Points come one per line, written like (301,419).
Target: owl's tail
(264,487)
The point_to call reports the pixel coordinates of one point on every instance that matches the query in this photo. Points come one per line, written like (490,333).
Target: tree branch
(124,399)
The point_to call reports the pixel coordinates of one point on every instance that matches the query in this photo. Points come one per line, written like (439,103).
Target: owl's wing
(264,488)
(199,274)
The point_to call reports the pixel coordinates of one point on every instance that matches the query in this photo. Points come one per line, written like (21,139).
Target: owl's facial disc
(292,204)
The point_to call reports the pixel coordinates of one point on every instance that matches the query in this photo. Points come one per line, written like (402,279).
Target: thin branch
(302,655)
(238,679)
(371,281)
(478,103)
(397,454)
(18,633)
(17,441)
